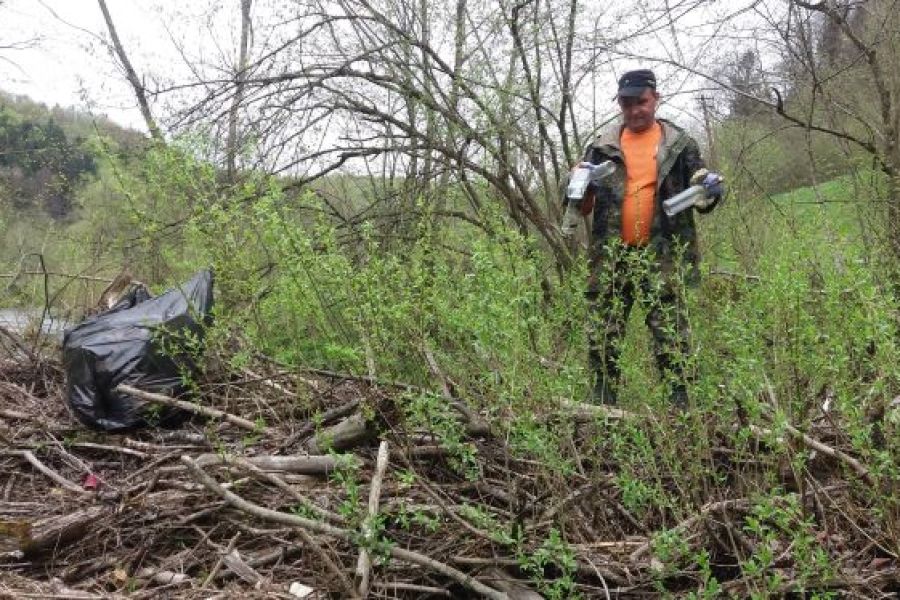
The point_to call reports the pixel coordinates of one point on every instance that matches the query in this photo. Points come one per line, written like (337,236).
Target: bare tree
(460,106)
(137,86)
(872,40)
(8,45)
(489,111)
(233,141)
(843,84)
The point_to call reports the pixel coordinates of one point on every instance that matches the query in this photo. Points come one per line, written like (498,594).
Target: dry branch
(733,504)
(325,418)
(590,412)
(107,448)
(815,444)
(582,568)
(240,567)
(364,563)
(192,408)
(162,577)
(252,465)
(306,465)
(18,343)
(475,425)
(50,473)
(136,85)
(55,274)
(516,590)
(220,561)
(347,434)
(329,564)
(53,532)
(317,527)
(271,383)
(425,590)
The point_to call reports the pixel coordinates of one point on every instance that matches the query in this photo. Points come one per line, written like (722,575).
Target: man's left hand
(712,183)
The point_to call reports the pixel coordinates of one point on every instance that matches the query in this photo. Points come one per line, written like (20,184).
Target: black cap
(633,83)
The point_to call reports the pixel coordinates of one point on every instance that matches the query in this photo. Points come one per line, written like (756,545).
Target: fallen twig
(425,590)
(344,435)
(475,425)
(215,570)
(27,394)
(364,563)
(29,456)
(251,466)
(325,529)
(815,444)
(56,274)
(239,567)
(514,588)
(197,409)
(589,570)
(104,447)
(589,412)
(54,532)
(282,553)
(755,278)
(736,503)
(324,419)
(329,564)
(18,343)
(162,577)
(312,464)
(450,512)
(269,382)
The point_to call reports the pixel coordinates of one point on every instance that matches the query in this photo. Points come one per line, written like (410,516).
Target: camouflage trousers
(635,276)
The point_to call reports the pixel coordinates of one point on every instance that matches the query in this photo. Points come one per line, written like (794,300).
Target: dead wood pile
(244,499)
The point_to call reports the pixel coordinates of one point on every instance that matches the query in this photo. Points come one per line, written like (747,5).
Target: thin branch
(815,444)
(191,407)
(50,473)
(131,75)
(329,564)
(344,534)
(364,563)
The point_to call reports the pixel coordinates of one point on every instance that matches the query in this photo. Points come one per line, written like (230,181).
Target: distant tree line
(40,165)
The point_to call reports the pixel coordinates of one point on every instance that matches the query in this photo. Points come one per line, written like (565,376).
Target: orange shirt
(639,203)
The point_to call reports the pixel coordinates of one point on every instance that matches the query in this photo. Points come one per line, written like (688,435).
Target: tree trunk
(136,85)
(240,79)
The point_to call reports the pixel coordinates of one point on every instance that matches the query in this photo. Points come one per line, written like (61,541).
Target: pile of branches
(309,484)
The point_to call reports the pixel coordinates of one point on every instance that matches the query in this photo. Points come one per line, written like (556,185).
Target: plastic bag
(149,343)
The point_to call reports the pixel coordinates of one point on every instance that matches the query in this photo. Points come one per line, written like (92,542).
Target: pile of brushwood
(290,483)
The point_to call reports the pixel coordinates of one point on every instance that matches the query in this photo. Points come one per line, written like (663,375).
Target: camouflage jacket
(678,158)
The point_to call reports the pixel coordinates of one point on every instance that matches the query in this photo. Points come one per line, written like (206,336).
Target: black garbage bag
(148,343)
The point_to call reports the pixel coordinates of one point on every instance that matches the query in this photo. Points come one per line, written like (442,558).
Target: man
(637,252)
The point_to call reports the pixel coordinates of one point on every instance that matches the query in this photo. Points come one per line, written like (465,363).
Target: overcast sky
(65,64)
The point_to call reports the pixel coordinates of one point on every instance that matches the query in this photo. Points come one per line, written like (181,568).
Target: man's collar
(610,136)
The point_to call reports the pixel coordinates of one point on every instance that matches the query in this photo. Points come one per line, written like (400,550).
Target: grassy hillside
(57,172)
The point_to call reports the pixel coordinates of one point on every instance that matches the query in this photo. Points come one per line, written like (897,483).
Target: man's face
(639,112)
